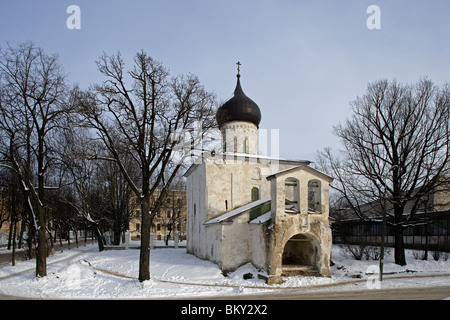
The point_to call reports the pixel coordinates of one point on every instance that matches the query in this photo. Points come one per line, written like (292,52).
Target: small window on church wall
(292,194)
(235,145)
(255,194)
(245,148)
(314,201)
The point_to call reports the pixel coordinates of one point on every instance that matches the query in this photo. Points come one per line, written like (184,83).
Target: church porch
(299,257)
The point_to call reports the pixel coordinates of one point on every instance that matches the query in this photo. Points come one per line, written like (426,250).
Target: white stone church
(242,207)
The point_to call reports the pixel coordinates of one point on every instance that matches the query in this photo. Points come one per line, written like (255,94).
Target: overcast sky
(302,61)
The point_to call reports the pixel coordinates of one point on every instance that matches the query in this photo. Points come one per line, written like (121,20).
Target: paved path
(21,255)
(428,293)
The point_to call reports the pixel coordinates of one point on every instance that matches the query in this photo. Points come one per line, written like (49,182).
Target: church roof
(239,210)
(262,218)
(303,167)
(252,205)
(238,108)
(245,157)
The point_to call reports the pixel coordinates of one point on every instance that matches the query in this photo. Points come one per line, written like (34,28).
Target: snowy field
(85,273)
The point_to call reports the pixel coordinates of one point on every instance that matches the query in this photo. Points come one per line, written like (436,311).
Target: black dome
(238,108)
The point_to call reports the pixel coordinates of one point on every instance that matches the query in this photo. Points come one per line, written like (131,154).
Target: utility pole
(383,235)
(383,227)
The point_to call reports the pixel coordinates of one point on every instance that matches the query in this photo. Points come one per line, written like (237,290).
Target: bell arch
(301,250)
(314,196)
(292,193)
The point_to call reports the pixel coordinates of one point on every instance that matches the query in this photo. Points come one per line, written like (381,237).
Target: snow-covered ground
(85,273)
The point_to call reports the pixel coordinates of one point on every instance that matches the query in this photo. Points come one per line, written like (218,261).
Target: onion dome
(238,108)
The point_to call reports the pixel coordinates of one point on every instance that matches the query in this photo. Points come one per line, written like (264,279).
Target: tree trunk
(56,232)
(12,222)
(51,250)
(101,246)
(68,239)
(31,239)
(399,254)
(117,230)
(144,257)
(60,240)
(425,253)
(41,257)
(85,235)
(13,255)
(22,230)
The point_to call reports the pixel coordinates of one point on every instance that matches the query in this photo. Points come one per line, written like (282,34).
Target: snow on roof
(262,218)
(290,208)
(283,171)
(237,211)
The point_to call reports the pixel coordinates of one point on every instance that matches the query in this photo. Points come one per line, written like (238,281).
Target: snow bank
(347,266)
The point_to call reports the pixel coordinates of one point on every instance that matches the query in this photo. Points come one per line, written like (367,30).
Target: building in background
(428,228)
(169,219)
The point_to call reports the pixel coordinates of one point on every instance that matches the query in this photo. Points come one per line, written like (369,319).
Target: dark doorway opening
(299,256)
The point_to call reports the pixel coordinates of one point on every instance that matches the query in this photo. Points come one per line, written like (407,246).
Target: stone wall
(240,137)
(313,227)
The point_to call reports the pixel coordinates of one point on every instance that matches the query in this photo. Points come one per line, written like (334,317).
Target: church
(243,207)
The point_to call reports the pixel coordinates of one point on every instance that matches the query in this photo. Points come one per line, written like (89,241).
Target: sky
(303,61)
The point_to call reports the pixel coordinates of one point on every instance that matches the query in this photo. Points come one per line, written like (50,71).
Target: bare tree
(10,206)
(81,185)
(32,97)
(118,194)
(396,149)
(139,121)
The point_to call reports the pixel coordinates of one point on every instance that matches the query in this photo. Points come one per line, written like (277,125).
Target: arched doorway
(300,256)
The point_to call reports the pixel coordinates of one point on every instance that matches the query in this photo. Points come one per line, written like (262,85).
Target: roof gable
(301,167)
